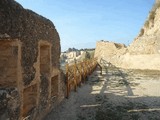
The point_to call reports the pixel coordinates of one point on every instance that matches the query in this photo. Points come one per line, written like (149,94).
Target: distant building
(72,54)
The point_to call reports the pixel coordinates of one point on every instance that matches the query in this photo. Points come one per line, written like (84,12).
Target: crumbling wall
(29,58)
(109,51)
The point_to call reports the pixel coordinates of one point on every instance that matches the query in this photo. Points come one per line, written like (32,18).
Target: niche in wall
(8,64)
(29,99)
(54,86)
(45,59)
(45,65)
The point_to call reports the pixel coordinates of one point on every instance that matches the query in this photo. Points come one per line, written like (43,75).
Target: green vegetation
(89,55)
(141,32)
(152,13)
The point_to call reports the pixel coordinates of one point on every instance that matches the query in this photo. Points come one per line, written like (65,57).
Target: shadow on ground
(117,94)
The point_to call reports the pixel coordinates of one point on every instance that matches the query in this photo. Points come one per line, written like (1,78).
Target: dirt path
(117,94)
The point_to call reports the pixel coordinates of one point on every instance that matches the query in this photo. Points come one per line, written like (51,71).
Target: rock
(142,53)
(148,40)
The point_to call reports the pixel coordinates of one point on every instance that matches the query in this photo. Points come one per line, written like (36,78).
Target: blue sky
(81,23)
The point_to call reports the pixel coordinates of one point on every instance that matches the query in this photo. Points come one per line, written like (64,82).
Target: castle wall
(30,78)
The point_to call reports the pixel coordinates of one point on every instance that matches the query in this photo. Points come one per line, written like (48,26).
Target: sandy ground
(117,94)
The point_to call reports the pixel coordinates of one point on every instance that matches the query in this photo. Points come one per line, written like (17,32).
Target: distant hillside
(74,49)
(73,54)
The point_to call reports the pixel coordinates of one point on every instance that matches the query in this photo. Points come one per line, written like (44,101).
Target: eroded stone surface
(29,58)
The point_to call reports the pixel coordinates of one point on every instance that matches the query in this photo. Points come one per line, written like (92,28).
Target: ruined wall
(109,49)
(30,79)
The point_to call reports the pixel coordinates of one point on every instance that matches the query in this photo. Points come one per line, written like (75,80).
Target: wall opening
(45,65)
(54,86)
(29,100)
(45,59)
(8,64)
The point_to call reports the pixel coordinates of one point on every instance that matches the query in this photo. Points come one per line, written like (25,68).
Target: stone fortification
(30,80)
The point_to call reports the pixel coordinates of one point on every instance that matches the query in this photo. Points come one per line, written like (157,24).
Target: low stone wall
(122,58)
(151,62)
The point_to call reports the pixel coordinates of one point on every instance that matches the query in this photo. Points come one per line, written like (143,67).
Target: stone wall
(109,49)
(30,79)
